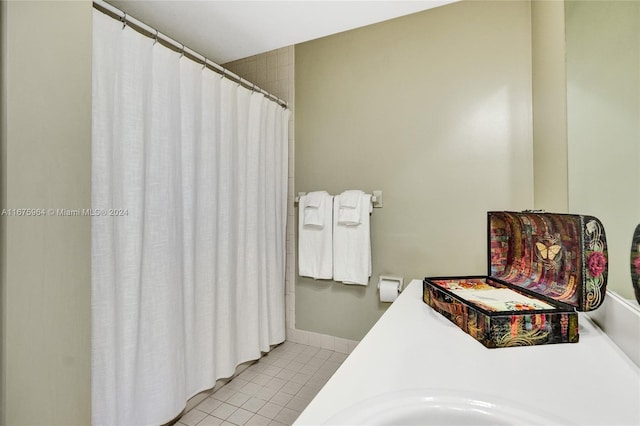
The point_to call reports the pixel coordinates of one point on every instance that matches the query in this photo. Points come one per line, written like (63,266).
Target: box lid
(560,256)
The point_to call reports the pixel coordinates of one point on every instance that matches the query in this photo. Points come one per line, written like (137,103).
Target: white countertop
(413,347)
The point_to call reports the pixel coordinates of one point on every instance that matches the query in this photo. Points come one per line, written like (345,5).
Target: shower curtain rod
(170,43)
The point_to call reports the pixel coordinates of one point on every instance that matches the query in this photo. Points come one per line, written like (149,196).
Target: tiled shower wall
(274,72)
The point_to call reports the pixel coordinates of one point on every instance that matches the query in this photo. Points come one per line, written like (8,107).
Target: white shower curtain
(189,194)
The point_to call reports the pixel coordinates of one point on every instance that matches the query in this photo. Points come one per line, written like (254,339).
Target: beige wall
(549,90)
(435,110)
(603,98)
(586,111)
(3,177)
(46,279)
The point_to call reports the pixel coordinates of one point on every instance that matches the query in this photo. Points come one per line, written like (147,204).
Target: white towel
(349,207)
(314,208)
(352,246)
(315,242)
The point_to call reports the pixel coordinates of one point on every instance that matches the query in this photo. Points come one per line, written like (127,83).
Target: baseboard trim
(323,341)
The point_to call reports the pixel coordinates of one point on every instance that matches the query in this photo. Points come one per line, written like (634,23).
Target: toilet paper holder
(399,281)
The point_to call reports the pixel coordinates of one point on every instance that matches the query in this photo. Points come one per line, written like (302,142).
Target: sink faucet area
(416,368)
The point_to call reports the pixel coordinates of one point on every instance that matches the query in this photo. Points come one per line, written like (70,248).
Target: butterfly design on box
(549,251)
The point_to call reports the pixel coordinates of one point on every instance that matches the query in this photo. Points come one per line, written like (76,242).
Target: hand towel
(315,242)
(352,245)
(349,207)
(313,208)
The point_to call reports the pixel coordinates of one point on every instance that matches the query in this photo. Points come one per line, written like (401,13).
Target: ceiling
(224,31)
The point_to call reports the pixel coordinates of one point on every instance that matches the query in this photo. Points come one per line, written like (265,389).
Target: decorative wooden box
(543,268)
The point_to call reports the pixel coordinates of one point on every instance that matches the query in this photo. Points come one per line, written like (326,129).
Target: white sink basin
(427,407)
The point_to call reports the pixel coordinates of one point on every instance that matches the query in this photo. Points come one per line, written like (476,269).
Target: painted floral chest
(542,269)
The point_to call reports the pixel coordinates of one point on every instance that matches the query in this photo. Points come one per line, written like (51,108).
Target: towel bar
(376,198)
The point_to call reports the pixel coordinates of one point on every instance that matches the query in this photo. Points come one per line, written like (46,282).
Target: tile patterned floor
(273,391)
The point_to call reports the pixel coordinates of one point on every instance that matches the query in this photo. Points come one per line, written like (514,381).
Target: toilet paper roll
(389,290)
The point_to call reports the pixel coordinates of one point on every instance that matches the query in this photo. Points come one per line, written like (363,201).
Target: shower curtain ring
(124,20)
(182,52)
(204,64)
(224,71)
(155,39)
